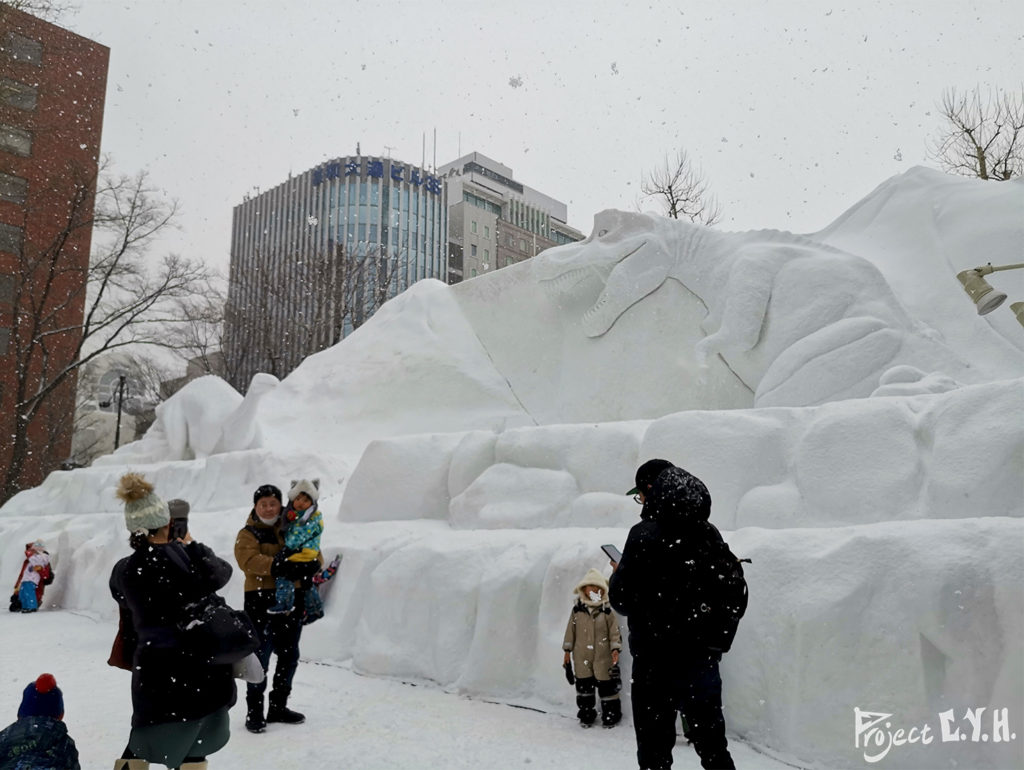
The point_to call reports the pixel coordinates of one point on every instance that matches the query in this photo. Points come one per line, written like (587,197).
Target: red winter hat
(42,698)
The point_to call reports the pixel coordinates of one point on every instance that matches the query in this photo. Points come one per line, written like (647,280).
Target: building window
(474,272)
(487,255)
(15,141)
(13,188)
(17,94)
(487,233)
(522,245)
(472,249)
(6,289)
(11,238)
(23,49)
(5,341)
(472,226)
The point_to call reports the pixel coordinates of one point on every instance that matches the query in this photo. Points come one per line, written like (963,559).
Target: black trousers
(664,685)
(279,634)
(611,711)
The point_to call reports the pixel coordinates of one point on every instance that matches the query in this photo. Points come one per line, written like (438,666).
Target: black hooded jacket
(655,582)
(155,584)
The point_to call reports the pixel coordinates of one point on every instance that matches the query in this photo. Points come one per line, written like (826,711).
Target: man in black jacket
(654,586)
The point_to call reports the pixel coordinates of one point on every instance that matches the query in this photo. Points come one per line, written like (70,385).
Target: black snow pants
(611,706)
(664,686)
(279,634)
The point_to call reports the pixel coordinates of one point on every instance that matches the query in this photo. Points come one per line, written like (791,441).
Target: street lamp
(120,401)
(983,294)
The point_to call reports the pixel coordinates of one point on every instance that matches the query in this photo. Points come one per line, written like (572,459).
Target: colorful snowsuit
(302,535)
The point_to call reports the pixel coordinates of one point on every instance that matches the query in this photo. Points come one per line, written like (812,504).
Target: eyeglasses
(637,499)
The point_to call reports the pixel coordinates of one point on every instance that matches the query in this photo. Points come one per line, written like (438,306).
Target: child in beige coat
(592,642)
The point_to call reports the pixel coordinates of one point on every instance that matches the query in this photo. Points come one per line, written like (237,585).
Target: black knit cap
(267,490)
(647,473)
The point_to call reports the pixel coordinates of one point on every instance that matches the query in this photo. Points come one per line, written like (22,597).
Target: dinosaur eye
(601,233)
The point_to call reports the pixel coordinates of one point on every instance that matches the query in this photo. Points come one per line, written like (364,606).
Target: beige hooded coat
(593,631)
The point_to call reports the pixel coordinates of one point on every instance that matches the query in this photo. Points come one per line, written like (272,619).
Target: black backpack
(719,597)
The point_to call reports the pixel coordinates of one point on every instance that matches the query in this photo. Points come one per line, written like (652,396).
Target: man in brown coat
(261,555)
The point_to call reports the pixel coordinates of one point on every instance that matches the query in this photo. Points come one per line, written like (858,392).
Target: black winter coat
(38,742)
(155,584)
(654,583)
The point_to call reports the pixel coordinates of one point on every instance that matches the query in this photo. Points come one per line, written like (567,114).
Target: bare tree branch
(124,299)
(983,135)
(682,189)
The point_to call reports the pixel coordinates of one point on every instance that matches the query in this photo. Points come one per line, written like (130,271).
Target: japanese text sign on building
(375,169)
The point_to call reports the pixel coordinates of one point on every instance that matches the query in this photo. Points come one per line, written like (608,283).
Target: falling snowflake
(898,155)
(615,68)
(515,81)
(312,221)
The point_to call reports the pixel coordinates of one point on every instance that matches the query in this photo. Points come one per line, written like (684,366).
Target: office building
(314,257)
(495,221)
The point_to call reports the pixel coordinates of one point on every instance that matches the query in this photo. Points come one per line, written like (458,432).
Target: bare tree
(682,189)
(983,135)
(333,292)
(50,10)
(124,300)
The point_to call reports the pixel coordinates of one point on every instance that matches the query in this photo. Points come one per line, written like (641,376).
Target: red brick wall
(69,78)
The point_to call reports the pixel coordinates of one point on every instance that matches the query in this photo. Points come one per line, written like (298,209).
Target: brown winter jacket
(591,635)
(255,552)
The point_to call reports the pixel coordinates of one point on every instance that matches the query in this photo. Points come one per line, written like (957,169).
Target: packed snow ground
(858,424)
(352,721)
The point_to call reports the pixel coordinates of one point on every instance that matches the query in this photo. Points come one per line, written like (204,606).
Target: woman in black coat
(179,704)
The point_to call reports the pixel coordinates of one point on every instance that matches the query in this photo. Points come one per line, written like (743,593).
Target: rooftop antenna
(389,148)
(358,151)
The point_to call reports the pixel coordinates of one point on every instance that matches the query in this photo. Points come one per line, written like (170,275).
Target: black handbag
(215,633)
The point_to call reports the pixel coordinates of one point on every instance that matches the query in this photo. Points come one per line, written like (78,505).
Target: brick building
(52,88)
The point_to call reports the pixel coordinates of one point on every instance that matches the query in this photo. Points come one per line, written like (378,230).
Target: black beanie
(267,490)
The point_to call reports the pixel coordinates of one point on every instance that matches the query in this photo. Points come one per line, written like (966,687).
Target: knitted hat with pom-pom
(42,698)
(143,510)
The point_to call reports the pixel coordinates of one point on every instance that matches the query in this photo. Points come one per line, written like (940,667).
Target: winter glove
(568,673)
(281,567)
(615,675)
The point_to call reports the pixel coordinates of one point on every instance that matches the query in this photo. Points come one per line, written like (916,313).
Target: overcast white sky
(794,109)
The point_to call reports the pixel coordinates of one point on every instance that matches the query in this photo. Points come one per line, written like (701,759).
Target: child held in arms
(592,642)
(305,525)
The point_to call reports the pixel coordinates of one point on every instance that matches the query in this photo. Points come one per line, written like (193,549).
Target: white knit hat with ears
(593,578)
(311,488)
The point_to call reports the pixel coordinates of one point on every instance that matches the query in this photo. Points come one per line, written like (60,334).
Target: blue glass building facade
(313,258)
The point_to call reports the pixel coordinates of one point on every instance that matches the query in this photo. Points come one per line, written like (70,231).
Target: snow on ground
(352,721)
(857,423)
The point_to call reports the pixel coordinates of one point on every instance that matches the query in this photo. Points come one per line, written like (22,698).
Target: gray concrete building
(494,220)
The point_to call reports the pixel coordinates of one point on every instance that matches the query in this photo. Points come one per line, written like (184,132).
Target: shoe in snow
(285,715)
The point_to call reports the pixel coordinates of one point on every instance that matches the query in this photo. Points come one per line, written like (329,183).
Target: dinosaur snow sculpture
(801,323)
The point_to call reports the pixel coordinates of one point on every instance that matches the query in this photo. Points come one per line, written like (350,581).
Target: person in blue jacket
(39,738)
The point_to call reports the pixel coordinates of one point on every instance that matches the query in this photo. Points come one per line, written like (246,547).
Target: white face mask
(269,521)
(595,596)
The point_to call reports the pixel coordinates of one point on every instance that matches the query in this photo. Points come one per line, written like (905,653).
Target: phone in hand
(613,553)
(179,528)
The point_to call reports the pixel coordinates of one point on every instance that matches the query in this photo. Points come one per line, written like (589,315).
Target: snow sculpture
(187,426)
(800,322)
(242,429)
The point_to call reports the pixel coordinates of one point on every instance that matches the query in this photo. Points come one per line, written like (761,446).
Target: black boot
(279,711)
(254,721)
(611,712)
(587,714)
